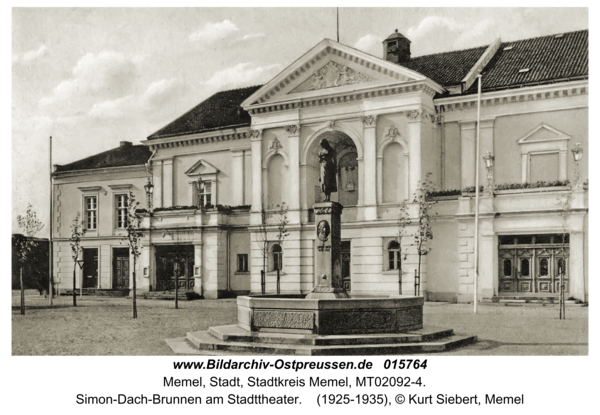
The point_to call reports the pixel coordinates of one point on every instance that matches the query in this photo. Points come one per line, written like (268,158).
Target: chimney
(396,48)
(125,143)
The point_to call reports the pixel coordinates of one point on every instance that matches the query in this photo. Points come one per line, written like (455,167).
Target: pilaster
(415,119)
(198,266)
(293,132)
(256,143)
(467,154)
(167,184)
(369,188)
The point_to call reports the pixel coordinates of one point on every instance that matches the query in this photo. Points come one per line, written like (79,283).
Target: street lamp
(149,188)
(489,166)
(577,156)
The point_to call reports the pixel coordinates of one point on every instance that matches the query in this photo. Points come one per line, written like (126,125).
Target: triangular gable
(201,168)
(332,67)
(543,132)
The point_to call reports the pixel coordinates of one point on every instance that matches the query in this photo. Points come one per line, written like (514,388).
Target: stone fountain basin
(290,314)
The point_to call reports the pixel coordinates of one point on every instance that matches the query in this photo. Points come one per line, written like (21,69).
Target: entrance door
(121,268)
(533,264)
(175,265)
(90,268)
(346,265)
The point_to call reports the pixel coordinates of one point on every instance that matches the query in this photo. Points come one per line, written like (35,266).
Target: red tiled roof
(218,111)
(124,155)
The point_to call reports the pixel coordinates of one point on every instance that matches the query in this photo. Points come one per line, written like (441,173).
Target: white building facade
(395,123)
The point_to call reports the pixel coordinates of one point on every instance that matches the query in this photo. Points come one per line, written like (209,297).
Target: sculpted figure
(328,170)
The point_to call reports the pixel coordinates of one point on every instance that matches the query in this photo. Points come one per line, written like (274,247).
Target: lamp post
(149,188)
(577,156)
(489,167)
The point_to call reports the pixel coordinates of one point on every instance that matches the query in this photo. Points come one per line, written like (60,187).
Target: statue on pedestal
(328,170)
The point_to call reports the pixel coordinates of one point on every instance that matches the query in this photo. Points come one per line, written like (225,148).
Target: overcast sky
(93,77)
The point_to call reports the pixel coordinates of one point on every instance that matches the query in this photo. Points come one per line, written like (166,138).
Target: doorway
(120,268)
(175,265)
(90,268)
(533,264)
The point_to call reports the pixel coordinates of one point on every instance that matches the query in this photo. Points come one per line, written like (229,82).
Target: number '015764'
(405,364)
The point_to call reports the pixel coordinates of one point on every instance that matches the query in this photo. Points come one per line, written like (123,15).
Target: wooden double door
(175,266)
(534,268)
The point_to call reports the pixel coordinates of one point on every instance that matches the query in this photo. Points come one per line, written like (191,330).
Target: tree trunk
(22,292)
(134,291)
(278,280)
(74,283)
(177,286)
(419,274)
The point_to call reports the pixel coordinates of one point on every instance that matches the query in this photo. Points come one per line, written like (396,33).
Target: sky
(92,77)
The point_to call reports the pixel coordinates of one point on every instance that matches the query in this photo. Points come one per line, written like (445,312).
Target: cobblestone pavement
(103,326)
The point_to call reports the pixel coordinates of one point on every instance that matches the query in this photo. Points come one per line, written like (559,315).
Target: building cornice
(95,172)
(216,136)
(514,96)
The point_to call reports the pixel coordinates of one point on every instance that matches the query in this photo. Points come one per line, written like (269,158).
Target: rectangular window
(91,212)
(206,194)
(242,262)
(121,211)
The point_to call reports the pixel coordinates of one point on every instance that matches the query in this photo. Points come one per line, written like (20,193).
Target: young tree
(282,232)
(133,239)
(261,239)
(565,204)
(403,222)
(24,243)
(77,231)
(424,233)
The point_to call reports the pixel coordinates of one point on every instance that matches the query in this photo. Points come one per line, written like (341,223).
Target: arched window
(277,257)
(394,260)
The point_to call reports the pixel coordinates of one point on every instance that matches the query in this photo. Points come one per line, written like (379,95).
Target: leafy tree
(282,232)
(403,222)
(77,231)
(424,234)
(24,244)
(133,239)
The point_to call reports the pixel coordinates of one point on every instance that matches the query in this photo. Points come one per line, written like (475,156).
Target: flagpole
(476,248)
(50,251)
(337,11)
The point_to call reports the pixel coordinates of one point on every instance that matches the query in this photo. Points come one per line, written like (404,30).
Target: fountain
(328,321)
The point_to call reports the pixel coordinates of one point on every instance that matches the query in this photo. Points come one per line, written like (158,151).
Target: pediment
(543,133)
(331,67)
(201,168)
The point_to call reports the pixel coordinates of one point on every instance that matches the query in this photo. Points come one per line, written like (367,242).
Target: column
(256,142)
(369,189)
(167,184)
(415,119)
(294,187)
(467,154)
(577,279)
(238,177)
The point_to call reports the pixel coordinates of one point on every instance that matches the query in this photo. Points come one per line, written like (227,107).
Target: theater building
(394,121)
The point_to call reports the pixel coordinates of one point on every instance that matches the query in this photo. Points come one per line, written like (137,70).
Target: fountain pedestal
(328,252)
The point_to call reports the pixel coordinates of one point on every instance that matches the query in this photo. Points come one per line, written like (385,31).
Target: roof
(548,59)
(124,155)
(218,111)
(446,68)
